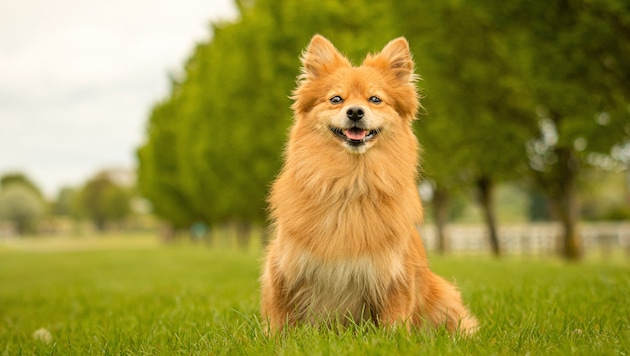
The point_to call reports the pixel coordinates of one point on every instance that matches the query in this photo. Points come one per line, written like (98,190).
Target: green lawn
(138,297)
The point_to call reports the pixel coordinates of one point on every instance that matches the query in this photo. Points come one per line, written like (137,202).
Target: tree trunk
(440,214)
(565,202)
(485,185)
(21,227)
(243,234)
(101,224)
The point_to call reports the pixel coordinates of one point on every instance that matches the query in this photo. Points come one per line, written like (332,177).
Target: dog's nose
(355,113)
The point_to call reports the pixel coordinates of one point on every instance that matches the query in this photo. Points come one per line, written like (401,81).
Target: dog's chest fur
(340,289)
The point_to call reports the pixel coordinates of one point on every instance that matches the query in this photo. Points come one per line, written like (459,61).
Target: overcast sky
(78,79)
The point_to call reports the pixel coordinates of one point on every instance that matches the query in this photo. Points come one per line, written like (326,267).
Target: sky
(78,79)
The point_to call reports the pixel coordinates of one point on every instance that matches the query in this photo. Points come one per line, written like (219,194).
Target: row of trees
(537,92)
(101,200)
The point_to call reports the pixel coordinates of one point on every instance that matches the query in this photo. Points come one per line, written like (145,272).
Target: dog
(345,206)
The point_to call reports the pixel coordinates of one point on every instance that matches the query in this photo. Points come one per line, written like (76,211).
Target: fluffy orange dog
(345,206)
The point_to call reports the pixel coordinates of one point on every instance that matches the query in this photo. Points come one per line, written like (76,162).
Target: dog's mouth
(355,136)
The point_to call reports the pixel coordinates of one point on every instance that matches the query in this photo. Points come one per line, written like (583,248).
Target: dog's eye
(374,100)
(336,100)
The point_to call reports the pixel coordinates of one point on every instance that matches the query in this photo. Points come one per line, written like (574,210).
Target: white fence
(533,238)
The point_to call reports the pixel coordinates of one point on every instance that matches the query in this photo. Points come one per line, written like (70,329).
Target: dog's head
(356,106)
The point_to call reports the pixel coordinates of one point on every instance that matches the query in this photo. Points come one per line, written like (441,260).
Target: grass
(134,296)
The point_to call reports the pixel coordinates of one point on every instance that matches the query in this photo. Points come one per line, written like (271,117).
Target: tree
(65,204)
(21,205)
(159,167)
(214,145)
(476,125)
(21,202)
(572,55)
(103,201)
(21,179)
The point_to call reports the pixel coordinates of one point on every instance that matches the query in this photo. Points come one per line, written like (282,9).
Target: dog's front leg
(275,309)
(397,306)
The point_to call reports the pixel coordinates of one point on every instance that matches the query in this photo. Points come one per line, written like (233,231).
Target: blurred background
(169,117)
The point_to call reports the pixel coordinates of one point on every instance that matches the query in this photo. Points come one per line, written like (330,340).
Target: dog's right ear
(321,58)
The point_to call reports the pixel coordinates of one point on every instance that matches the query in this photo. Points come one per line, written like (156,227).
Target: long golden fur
(345,206)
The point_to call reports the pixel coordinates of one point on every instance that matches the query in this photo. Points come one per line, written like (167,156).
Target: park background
(526,154)
(526,119)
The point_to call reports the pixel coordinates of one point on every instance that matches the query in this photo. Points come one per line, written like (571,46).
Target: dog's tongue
(356,134)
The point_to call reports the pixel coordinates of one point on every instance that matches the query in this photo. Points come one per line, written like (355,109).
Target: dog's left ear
(395,62)
(395,57)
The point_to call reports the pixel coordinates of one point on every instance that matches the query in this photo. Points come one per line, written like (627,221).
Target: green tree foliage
(103,201)
(475,128)
(508,86)
(22,206)
(21,202)
(21,179)
(498,74)
(65,204)
(215,144)
(573,57)
(159,169)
